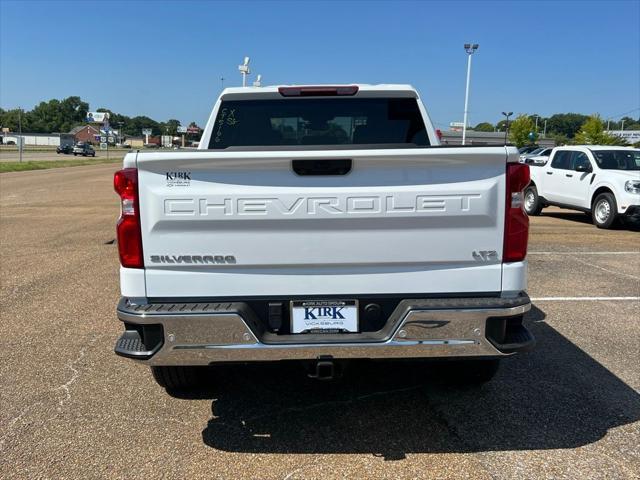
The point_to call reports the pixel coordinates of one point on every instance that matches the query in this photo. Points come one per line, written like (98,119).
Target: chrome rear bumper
(205,333)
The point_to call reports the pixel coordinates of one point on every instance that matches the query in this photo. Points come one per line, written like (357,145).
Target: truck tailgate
(423,221)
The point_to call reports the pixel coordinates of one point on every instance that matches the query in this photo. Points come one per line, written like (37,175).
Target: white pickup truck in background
(602,181)
(322,223)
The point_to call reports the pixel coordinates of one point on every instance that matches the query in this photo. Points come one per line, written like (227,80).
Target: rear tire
(177,378)
(604,211)
(470,372)
(532,203)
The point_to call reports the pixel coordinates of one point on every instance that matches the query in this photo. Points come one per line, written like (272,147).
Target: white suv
(603,181)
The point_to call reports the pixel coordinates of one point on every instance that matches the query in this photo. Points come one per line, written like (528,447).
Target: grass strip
(43,165)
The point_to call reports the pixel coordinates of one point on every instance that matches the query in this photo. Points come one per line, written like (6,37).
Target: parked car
(84,149)
(539,159)
(538,152)
(293,236)
(528,149)
(66,149)
(603,181)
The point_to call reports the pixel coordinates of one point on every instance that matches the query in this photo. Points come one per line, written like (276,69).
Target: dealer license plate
(324,316)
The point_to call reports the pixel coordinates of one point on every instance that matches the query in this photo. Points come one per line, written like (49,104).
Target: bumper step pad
(517,339)
(130,345)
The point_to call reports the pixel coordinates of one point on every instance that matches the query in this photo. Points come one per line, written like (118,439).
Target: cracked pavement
(71,409)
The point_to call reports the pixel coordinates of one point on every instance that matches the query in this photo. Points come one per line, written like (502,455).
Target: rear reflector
(128,229)
(516,225)
(320,91)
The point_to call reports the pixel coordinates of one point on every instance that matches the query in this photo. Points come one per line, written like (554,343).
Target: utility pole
(20,139)
(120,124)
(622,127)
(470,49)
(506,130)
(544,135)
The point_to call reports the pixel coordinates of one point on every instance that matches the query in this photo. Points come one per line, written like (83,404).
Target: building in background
(454,137)
(134,142)
(85,133)
(37,139)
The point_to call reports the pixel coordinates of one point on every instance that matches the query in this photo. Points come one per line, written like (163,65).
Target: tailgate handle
(340,166)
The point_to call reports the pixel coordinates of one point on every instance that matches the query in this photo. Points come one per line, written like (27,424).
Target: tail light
(129,232)
(516,224)
(320,91)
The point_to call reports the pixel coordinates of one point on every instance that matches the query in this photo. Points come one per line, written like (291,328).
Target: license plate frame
(325,321)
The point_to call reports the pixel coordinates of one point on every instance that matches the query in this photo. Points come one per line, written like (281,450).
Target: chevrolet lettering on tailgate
(348,205)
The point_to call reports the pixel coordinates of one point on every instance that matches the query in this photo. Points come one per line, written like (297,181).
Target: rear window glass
(335,121)
(617,159)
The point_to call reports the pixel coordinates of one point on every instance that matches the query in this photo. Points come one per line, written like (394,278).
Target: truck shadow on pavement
(554,397)
(632,224)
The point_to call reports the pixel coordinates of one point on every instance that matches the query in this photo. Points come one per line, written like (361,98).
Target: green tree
(567,124)
(592,133)
(10,119)
(561,139)
(629,124)
(484,127)
(171,126)
(501,125)
(520,129)
(57,115)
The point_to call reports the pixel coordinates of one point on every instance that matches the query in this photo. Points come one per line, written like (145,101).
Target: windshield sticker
(231,119)
(225,118)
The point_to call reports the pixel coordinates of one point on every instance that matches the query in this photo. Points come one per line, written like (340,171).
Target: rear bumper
(206,333)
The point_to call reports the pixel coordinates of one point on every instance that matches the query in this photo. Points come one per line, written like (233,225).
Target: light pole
(244,70)
(544,134)
(470,48)
(506,129)
(622,127)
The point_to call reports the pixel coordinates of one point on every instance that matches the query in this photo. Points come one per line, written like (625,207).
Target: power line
(621,114)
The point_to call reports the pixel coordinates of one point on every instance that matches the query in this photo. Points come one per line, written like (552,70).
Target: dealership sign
(630,136)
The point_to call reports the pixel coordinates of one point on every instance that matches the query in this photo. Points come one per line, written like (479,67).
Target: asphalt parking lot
(72,409)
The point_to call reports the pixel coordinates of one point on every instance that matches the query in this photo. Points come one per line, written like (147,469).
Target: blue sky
(165,59)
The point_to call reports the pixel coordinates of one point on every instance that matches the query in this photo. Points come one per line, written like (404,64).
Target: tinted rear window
(319,121)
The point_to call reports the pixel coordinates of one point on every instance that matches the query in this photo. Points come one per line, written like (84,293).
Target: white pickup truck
(320,224)
(602,181)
